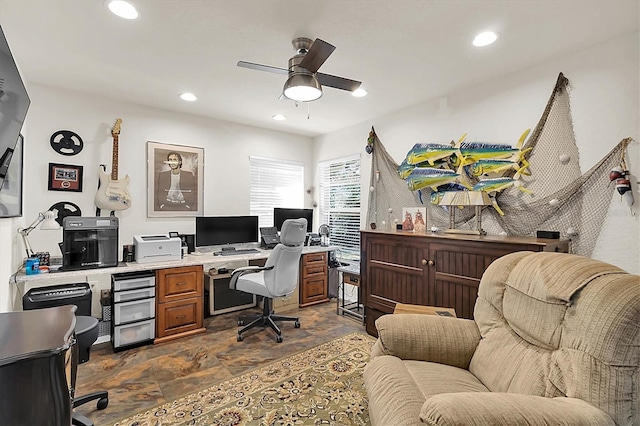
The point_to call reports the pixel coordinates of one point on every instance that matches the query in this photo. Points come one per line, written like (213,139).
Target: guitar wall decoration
(113,193)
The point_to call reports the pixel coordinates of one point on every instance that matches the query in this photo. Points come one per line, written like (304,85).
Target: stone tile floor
(141,378)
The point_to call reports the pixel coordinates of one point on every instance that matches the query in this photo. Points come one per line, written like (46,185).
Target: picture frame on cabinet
(175,179)
(414,219)
(65,177)
(11,193)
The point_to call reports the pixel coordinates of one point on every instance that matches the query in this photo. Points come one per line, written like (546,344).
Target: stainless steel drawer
(136,310)
(134,333)
(120,284)
(136,294)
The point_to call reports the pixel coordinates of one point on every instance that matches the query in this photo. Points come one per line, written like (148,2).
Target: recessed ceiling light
(359,93)
(188,97)
(122,9)
(485,39)
(279,117)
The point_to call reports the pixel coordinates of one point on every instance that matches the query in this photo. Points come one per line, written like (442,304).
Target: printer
(157,248)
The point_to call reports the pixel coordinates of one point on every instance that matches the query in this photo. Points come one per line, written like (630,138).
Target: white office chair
(277,278)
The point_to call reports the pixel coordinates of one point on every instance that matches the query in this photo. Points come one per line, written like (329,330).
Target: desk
(100,279)
(350,276)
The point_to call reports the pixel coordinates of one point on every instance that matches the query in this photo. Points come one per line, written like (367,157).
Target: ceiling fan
(304,82)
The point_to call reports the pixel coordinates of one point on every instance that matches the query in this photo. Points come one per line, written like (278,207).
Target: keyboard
(236,251)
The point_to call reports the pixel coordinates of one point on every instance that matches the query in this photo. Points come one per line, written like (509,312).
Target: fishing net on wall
(563,199)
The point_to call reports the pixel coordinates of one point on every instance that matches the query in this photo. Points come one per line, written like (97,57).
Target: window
(340,204)
(274,183)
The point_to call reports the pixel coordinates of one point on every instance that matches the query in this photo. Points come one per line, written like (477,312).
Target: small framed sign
(65,177)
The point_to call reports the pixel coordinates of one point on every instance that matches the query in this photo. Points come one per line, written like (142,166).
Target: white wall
(605,110)
(227,148)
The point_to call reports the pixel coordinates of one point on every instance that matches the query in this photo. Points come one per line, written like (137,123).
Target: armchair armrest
(432,338)
(238,272)
(494,408)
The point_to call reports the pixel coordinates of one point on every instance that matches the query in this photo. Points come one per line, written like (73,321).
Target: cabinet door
(313,279)
(457,269)
(180,283)
(396,270)
(179,316)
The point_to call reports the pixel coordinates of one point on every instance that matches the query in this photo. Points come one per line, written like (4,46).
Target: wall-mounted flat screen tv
(281,214)
(14,103)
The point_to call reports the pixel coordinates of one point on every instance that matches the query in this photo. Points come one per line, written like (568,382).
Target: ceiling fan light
(485,39)
(302,87)
(122,9)
(359,93)
(189,97)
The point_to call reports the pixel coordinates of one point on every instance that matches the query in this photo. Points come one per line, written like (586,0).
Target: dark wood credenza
(431,269)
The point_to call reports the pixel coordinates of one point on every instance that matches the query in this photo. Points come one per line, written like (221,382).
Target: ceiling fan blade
(338,82)
(317,54)
(259,67)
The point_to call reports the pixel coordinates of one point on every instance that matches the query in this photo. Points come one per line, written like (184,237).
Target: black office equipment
(78,294)
(190,239)
(235,252)
(89,242)
(548,234)
(221,230)
(269,237)
(313,240)
(281,214)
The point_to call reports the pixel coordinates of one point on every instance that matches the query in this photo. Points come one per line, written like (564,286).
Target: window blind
(274,183)
(339,204)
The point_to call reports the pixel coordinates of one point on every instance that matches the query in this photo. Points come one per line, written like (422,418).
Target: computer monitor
(221,230)
(281,214)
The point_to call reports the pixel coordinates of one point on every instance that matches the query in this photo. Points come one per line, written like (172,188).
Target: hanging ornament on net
(370,139)
(620,174)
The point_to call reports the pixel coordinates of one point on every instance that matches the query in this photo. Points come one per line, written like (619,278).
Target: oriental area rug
(320,386)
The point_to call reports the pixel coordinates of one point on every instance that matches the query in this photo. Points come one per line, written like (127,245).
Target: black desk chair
(87,333)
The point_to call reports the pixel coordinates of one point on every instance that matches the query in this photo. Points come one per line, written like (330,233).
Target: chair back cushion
(285,258)
(556,324)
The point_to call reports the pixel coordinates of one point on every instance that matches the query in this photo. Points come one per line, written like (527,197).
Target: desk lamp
(48,221)
(478,199)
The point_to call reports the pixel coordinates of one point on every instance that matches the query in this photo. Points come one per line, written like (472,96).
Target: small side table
(350,276)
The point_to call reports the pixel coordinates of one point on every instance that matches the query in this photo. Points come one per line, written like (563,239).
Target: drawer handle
(182,283)
(353,279)
(181,317)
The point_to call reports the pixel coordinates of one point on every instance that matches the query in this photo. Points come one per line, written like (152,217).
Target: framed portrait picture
(175,176)
(414,219)
(65,177)
(11,182)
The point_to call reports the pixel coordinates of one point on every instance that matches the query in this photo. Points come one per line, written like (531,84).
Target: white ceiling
(404,52)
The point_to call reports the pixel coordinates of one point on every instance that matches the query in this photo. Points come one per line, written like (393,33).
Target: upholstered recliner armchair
(555,341)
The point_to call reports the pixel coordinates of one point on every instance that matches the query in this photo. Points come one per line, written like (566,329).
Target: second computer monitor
(281,214)
(221,230)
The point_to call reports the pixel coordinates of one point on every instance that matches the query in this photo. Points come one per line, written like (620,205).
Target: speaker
(191,241)
(554,235)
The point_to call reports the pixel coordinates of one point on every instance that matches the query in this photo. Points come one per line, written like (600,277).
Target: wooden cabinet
(313,281)
(179,299)
(431,269)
